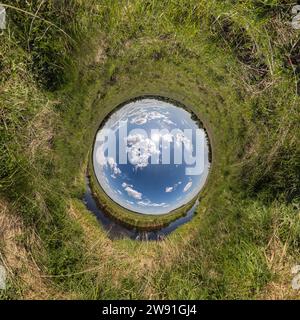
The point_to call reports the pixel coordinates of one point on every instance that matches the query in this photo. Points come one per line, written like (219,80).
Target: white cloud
(168,121)
(139,120)
(133,139)
(140,150)
(187,186)
(100,157)
(144,117)
(113,165)
(169,189)
(133,193)
(104,161)
(148,203)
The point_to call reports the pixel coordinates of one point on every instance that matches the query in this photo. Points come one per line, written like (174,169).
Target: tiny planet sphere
(151,156)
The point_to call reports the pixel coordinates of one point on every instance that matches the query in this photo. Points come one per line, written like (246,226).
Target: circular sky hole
(151,156)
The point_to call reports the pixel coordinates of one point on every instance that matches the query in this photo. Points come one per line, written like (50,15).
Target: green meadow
(65,65)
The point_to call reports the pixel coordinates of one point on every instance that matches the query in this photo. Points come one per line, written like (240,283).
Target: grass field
(65,65)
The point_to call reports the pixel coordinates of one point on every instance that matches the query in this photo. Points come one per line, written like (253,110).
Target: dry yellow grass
(280,264)
(18,260)
(17,248)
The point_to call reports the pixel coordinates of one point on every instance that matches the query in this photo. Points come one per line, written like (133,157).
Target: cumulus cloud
(187,186)
(100,157)
(133,193)
(140,150)
(139,120)
(113,166)
(144,117)
(169,189)
(151,204)
(107,161)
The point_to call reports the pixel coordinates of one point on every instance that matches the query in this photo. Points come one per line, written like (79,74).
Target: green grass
(235,64)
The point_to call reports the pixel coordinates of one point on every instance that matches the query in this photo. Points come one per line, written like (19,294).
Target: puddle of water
(116,230)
